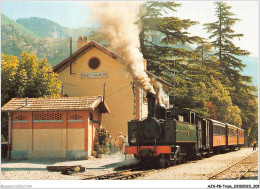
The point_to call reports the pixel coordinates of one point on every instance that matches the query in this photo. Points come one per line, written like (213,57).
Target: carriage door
(204,133)
(200,133)
(207,134)
(237,134)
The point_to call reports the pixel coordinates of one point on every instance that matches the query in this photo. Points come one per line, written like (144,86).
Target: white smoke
(118,27)
(162,96)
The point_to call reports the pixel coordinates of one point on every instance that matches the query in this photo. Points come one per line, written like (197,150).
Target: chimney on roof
(82,42)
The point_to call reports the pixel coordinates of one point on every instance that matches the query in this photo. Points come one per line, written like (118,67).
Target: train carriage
(217,137)
(240,137)
(232,136)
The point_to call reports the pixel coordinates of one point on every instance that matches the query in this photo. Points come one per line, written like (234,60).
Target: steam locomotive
(171,136)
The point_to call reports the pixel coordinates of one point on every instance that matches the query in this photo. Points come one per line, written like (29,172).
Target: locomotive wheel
(162,161)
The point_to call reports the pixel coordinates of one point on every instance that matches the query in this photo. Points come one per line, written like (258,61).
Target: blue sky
(76,14)
(66,13)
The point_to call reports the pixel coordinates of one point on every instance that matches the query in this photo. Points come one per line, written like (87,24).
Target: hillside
(46,28)
(8,22)
(47,39)
(43,27)
(17,37)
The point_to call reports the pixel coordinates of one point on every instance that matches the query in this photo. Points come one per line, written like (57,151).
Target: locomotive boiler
(170,136)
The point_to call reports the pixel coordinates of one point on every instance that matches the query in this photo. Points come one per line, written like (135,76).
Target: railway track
(120,175)
(238,170)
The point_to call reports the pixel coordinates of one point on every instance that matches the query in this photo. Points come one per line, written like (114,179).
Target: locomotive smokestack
(151,104)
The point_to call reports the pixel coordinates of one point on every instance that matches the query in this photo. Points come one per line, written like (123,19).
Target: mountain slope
(46,28)
(16,38)
(18,27)
(43,27)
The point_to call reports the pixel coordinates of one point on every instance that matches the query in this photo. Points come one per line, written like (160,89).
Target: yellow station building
(90,68)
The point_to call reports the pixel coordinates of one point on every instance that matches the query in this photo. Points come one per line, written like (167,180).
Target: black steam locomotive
(170,136)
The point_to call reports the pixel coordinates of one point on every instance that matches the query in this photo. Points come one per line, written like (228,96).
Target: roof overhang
(55,104)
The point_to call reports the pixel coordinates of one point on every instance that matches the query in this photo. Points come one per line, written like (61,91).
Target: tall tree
(227,52)
(239,86)
(220,104)
(164,39)
(165,44)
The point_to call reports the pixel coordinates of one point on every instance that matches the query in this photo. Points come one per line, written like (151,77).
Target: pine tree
(239,86)
(164,39)
(165,45)
(223,35)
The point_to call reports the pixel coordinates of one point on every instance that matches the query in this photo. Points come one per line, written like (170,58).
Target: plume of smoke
(162,96)
(118,26)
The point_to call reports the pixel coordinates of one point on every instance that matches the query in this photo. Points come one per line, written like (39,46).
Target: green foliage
(102,144)
(15,42)
(225,111)
(165,44)
(43,27)
(222,34)
(240,87)
(5,21)
(26,77)
(161,38)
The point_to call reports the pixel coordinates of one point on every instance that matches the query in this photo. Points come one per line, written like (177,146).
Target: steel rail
(228,168)
(120,175)
(106,176)
(242,176)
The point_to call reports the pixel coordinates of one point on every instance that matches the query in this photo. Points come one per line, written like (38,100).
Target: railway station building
(95,70)
(62,127)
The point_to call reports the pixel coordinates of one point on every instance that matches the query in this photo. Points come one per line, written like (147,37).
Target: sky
(77,14)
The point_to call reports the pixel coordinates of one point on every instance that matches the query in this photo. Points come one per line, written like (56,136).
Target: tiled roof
(62,65)
(56,104)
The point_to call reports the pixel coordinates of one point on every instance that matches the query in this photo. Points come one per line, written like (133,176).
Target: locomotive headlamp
(133,140)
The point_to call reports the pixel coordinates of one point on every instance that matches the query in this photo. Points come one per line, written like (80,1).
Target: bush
(102,145)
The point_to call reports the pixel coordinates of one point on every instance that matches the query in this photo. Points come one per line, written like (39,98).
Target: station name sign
(94,75)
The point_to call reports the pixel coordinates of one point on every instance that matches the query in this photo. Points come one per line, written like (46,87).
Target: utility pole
(104,91)
(71,56)
(133,87)
(174,81)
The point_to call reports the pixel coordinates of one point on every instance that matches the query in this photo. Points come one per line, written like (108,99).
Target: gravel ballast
(199,169)
(193,170)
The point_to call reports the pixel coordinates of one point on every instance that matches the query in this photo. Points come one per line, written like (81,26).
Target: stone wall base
(77,155)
